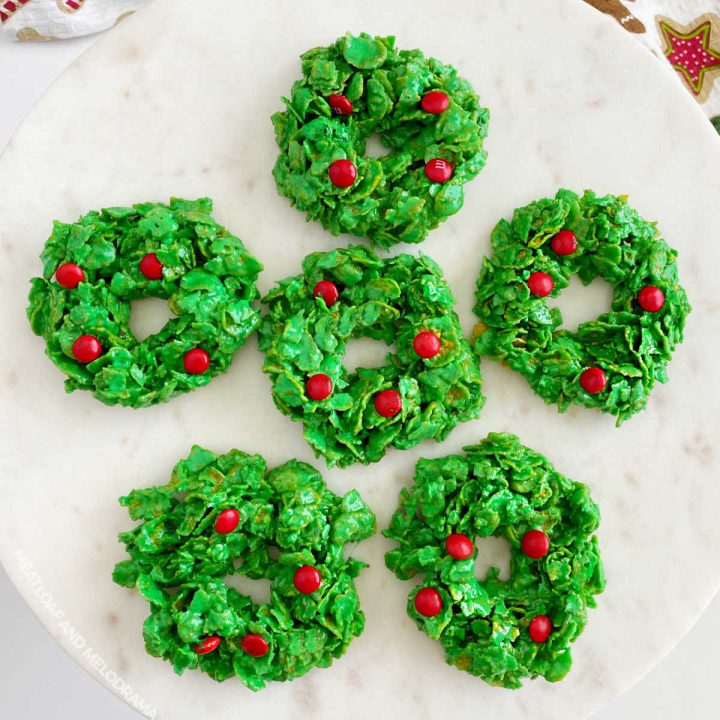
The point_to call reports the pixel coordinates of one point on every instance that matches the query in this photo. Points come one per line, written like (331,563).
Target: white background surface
(37,680)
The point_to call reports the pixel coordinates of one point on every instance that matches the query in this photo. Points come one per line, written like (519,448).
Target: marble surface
(101,137)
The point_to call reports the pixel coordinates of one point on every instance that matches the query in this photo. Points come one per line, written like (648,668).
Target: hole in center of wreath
(493,552)
(366,353)
(374,147)
(579,303)
(257,590)
(148,316)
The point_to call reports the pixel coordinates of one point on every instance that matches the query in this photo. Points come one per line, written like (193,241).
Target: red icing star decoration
(690,53)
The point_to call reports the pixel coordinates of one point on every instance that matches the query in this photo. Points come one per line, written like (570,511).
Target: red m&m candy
(327,291)
(593,380)
(340,105)
(86,349)
(651,298)
(342,173)
(435,102)
(318,387)
(227,521)
(535,544)
(540,284)
(540,628)
(69,275)
(428,602)
(255,645)
(438,170)
(207,645)
(196,361)
(151,267)
(426,344)
(307,579)
(459,546)
(564,243)
(388,403)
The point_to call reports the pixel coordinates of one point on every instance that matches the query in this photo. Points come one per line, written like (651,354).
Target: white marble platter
(176,101)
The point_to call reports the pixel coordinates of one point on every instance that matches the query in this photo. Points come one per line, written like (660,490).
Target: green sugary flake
(364,52)
(208,280)
(630,345)
(392,200)
(390,300)
(503,489)
(179,563)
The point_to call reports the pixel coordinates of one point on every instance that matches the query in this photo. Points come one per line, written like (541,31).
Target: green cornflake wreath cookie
(428,118)
(111,257)
(500,630)
(225,515)
(611,362)
(430,384)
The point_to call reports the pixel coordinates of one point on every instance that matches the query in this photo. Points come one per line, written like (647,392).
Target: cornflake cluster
(225,515)
(429,119)
(426,387)
(95,267)
(500,630)
(611,362)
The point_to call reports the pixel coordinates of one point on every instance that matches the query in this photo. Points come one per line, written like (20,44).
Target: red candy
(69,275)
(151,267)
(438,170)
(426,344)
(540,628)
(340,105)
(318,387)
(227,521)
(86,348)
(540,284)
(651,298)
(459,546)
(196,361)
(255,645)
(307,579)
(535,544)
(593,380)
(207,645)
(435,102)
(564,243)
(428,602)
(328,292)
(342,173)
(388,403)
